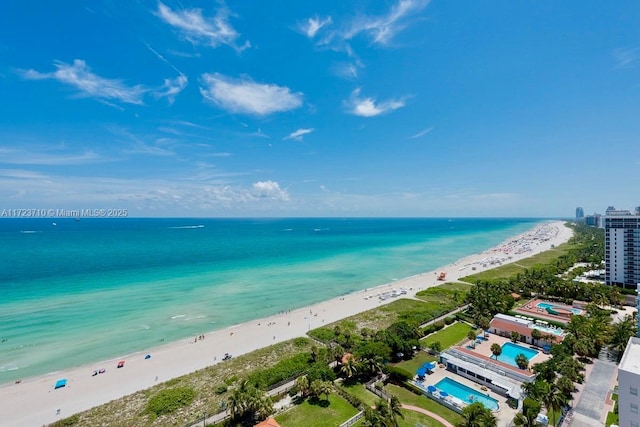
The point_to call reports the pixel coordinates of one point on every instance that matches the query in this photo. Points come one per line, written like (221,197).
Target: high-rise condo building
(622,248)
(579,212)
(628,385)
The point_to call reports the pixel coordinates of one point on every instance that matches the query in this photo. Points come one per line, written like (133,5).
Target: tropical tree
(530,411)
(620,334)
(435,347)
(584,347)
(350,366)
(303,385)
(536,335)
(522,361)
(515,336)
(566,386)
(476,415)
(472,337)
(319,387)
(554,400)
(496,350)
(247,402)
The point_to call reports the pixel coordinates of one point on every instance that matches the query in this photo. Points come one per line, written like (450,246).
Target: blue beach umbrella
(444,394)
(421,372)
(431,388)
(148,356)
(61,383)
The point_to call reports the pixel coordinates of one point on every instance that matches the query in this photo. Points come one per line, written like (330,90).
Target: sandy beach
(34,402)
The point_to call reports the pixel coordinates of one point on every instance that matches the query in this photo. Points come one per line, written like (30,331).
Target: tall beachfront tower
(579,213)
(629,384)
(622,248)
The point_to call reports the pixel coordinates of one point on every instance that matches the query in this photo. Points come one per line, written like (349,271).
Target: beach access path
(34,401)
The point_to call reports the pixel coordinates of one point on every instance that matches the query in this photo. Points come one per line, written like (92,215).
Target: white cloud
(21,173)
(348,70)
(198,29)
(260,134)
(248,97)
(33,156)
(299,134)
(270,190)
(368,107)
(313,25)
(172,87)
(383,28)
(422,133)
(79,75)
(625,57)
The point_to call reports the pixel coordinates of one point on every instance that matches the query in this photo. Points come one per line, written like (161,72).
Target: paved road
(589,409)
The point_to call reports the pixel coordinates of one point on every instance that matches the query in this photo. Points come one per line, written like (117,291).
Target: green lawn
(447,293)
(412,419)
(335,413)
(360,391)
(418,360)
(409,398)
(449,336)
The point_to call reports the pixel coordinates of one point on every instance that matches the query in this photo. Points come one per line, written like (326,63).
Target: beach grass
(409,398)
(450,293)
(509,270)
(449,336)
(324,413)
(206,383)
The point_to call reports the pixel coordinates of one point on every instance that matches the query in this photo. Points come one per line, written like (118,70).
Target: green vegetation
(70,421)
(476,415)
(421,401)
(169,400)
(361,392)
(448,336)
(412,419)
(324,413)
(417,361)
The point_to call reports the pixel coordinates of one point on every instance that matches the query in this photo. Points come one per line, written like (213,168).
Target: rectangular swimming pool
(466,394)
(511,350)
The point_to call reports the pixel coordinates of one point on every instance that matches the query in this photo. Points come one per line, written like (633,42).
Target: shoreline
(84,391)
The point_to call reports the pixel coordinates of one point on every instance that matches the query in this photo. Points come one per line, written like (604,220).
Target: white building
(628,385)
(622,248)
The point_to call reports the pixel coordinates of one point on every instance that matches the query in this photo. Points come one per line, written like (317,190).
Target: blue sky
(320,108)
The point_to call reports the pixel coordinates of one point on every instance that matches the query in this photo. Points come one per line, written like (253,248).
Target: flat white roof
(631,359)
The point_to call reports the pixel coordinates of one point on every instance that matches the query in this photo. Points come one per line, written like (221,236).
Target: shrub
(222,388)
(398,375)
(282,370)
(449,320)
(412,388)
(232,379)
(323,334)
(169,400)
(69,421)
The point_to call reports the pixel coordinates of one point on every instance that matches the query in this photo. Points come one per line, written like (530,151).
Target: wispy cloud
(368,107)
(313,25)
(299,134)
(200,30)
(260,134)
(246,96)
(348,70)
(172,87)
(422,133)
(21,174)
(48,157)
(88,84)
(382,29)
(625,57)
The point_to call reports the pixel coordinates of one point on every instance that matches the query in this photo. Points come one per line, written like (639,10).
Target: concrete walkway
(428,413)
(589,410)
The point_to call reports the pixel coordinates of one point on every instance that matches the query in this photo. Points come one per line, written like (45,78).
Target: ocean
(74,292)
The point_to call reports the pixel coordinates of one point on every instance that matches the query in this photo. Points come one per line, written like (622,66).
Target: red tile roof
(269,422)
(523,330)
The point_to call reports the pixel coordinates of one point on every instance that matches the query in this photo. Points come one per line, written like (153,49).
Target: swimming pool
(466,394)
(545,305)
(511,350)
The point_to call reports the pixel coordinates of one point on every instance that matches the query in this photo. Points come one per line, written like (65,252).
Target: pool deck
(483,350)
(530,308)
(504,414)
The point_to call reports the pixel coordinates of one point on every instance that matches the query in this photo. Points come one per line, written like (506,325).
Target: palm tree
(303,385)
(496,350)
(566,386)
(530,411)
(472,337)
(350,366)
(515,336)
(522,361)
(554,401)
(476,415)
(620,334)
(535,335)
(435,347)
(319,387)
(372,418)
(394,410)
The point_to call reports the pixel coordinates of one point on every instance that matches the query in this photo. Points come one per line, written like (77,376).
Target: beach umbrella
(430,366)
(480,337)
(431,388)
(148,356)
(444,394)
(421,372)
(120,364)
(60,383)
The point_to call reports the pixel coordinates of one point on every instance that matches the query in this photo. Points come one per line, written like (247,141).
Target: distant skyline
(326,108)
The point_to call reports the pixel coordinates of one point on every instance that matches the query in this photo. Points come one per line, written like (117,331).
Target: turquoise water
(545,305)
(548,330)
(511,350)
(466,394)
(83,291)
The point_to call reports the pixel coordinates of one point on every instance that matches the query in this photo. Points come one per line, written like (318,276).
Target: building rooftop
(631,359)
